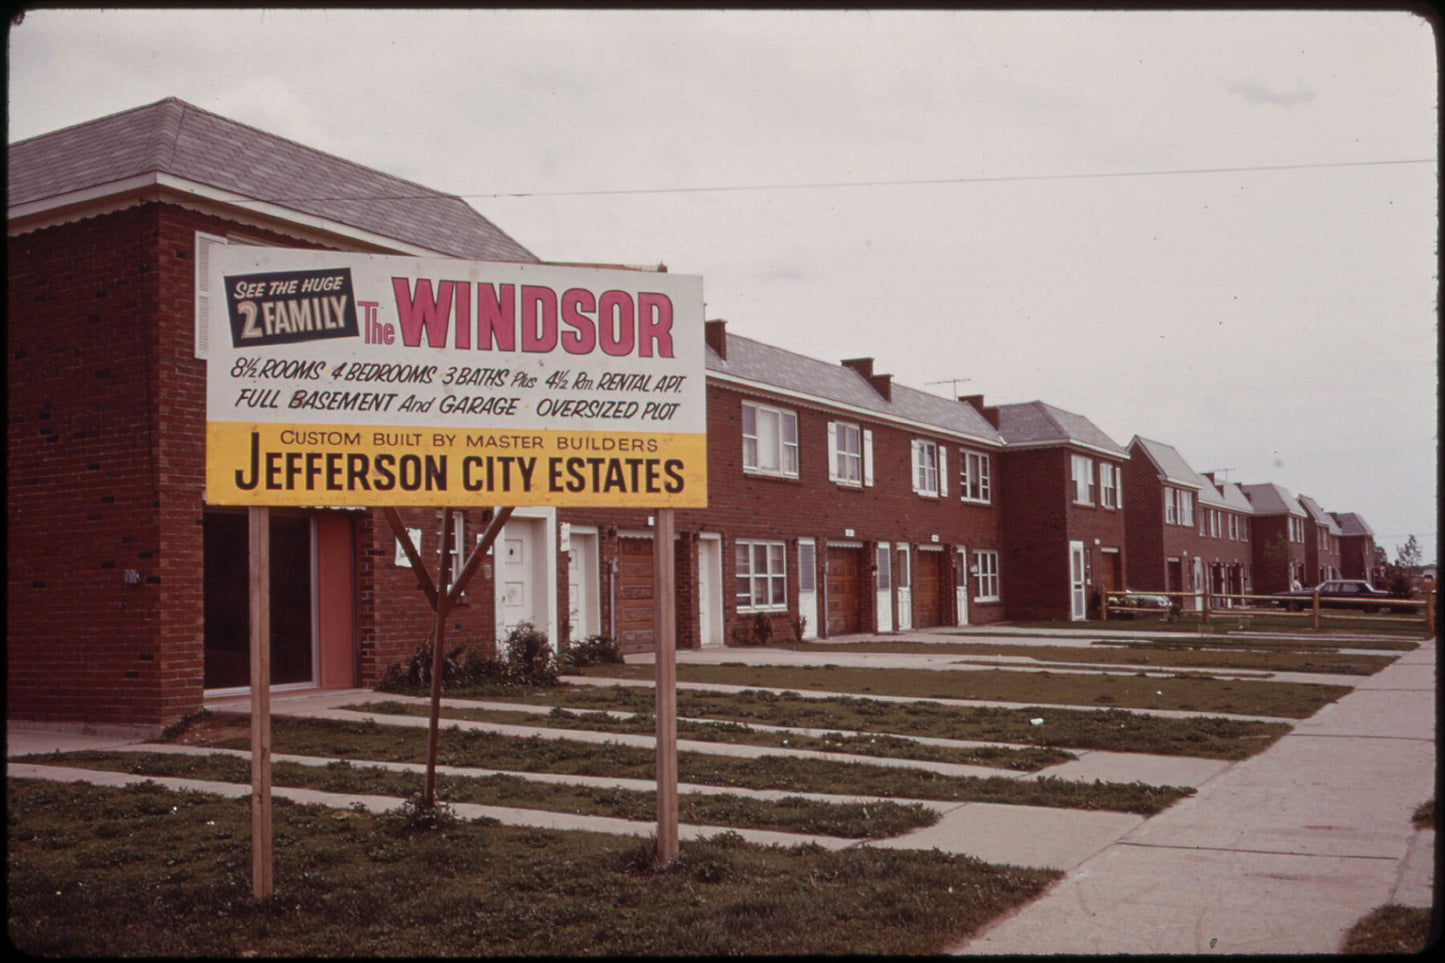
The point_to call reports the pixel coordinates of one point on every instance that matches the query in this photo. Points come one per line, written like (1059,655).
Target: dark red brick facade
(744,505)
(1041,518)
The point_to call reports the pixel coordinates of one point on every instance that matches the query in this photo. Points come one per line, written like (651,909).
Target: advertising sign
(369,380)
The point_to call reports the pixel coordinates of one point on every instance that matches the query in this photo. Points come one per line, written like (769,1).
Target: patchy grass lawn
(1152,654)
(793,814)
(1390,931)
(1190,693)
(642,722)
(1113,730)
(366,740)
(142,871)
(1254,620)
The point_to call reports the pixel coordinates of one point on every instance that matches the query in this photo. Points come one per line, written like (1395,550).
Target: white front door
(905,590)
(526,578)
(1198,602)
(808,587)
(583,610)
(885,588)
(709,590)
(960,584)
(1078,602)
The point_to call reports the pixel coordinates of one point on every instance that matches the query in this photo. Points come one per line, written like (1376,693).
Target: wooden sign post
(260,602)
(664,562)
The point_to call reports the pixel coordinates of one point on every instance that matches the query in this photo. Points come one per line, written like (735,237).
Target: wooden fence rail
(1205,605)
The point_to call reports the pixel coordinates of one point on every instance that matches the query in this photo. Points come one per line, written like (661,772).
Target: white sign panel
(369,380)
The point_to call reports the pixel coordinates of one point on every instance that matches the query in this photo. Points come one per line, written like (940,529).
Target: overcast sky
(1216,230)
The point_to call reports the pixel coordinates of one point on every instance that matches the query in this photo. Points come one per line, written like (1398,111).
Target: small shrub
(528,662)
(412,816)
(593,650)
(762,628)
(529,656)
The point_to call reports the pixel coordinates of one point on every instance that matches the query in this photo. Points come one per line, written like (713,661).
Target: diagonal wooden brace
(413,555)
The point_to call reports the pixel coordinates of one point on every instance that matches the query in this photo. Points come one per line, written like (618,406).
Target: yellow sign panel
(369,380)
(308,464)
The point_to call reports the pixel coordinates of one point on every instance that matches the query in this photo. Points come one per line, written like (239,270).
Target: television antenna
(955,382)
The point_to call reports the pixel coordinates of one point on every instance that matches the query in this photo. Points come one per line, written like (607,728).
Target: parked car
(1142,607)
(1336,593)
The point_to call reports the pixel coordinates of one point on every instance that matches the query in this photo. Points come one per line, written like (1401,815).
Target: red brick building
(1279,538)
(1322,543)
(1183,533)
(838,502)
(1357,547)
(1062,484)
(126,592)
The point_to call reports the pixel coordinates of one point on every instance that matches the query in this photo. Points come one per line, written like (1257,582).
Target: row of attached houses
(839,500)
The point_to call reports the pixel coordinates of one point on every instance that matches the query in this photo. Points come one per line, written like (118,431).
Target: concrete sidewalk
(1281,853)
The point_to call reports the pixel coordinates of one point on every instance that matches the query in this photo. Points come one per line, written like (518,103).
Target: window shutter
(832,451)
(914,466)
(867,457)
(942,470)
(204,243)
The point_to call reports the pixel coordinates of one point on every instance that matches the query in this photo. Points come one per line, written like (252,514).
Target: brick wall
(743,505)
(1271,565)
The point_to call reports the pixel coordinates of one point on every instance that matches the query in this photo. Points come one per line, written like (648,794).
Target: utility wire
(832,185)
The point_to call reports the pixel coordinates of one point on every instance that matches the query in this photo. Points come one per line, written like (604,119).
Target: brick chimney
(990,413)
(715,333)
(882,383)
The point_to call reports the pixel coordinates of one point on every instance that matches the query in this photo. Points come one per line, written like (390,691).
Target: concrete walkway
(1281,853)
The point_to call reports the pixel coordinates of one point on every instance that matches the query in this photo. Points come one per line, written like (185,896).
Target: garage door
(927,590)
(635,610)
(844,566)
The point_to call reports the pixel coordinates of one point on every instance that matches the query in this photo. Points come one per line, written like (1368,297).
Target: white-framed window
(1213,523)
(1186,508)
(846,446)
(975,477)
(770,440)
(850,454)
(985,577)
(929,468)
(1111,490)
(1296,529)
(1083,474)
(1171,511)
(762,576)
(460,548)
(204,243)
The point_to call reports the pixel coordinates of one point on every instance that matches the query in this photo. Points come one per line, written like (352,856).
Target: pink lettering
(654,324)
(574,302)
(614,323)
(423,311)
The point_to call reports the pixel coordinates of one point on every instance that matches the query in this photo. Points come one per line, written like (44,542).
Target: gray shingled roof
(1035,422)
(1234,498)
(1176,471)
(766,365)
(1352,524)
(176,138)
(1318,515)
(1272,499)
